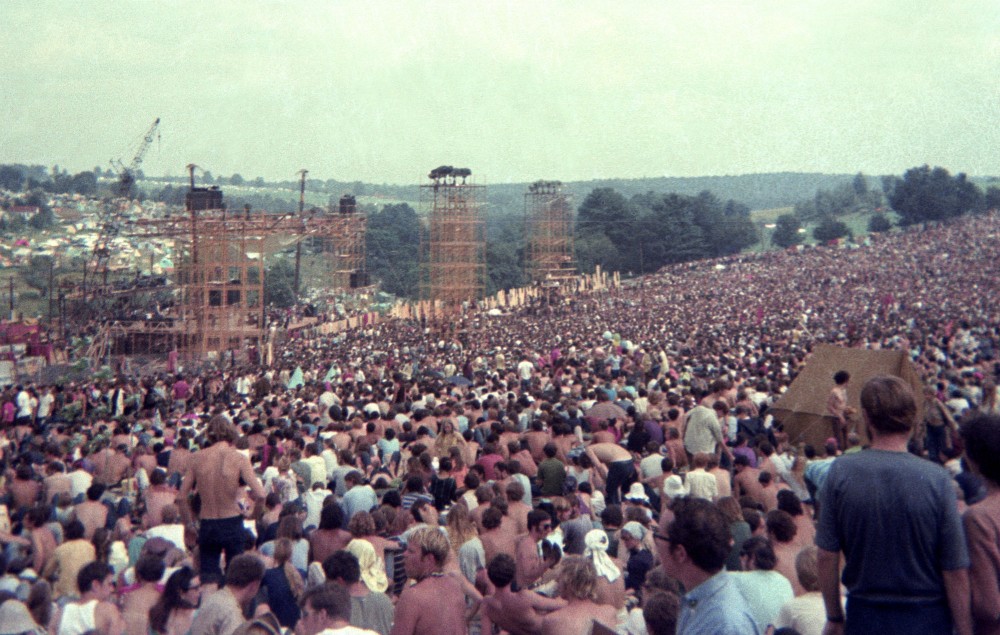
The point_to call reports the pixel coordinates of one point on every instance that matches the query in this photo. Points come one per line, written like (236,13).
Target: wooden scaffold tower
(549,226)
(343,249)
(454,244)
(220,260)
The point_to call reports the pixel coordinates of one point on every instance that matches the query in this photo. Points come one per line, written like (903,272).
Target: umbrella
(459,380)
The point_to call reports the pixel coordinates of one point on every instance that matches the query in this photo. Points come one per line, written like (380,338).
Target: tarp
(802,409)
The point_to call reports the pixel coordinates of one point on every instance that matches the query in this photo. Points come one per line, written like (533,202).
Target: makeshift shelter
(802,409)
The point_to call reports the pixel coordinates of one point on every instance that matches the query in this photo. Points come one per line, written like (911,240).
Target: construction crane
(127,173)
(110,219)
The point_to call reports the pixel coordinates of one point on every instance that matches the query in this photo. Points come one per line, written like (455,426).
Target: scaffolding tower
(218,292)
(343,250)
(549,227)
(453,244)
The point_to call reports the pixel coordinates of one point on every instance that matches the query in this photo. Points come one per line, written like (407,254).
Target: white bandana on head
(596,542)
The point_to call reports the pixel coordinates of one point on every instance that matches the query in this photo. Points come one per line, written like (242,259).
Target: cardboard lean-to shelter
(802,409)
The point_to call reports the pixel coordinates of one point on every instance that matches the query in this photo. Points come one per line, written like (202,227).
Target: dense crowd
(541,470)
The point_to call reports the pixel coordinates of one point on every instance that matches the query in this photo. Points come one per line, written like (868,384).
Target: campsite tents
(802,409)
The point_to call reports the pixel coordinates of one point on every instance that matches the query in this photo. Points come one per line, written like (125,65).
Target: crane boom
(126,174)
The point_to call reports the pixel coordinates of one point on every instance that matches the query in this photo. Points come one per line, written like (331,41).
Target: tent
(802,409)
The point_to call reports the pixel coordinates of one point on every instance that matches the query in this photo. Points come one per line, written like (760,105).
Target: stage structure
(214,301)
(454,244)
(549,227)
(343,250)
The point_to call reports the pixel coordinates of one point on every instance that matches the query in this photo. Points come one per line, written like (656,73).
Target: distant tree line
(922,195)
(22,178)
(648,231)
(926,194)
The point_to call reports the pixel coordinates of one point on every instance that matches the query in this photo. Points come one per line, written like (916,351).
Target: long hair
(283,559)
(171,599)
(460,528)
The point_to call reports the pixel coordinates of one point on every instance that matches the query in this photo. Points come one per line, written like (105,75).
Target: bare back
(445,594)
(577,618)
(215,473)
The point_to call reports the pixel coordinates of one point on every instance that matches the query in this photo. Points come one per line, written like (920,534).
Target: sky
(383,91)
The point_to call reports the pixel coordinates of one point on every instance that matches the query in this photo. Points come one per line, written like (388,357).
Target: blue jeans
(216,535)
(936,442)
(620,477)
(931,617)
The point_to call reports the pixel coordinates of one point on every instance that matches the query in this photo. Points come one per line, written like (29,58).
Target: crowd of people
(596,463)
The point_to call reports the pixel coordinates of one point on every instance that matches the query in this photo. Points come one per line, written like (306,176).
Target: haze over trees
(392,243)
(925,194)
(651,230)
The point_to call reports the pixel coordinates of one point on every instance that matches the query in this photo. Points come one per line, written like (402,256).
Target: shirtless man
(136,603)
(495,537)
(746,482)
(180,458)
(157,496)
(216,475)
(516,612)
(837,408)
(578,586)
(537,438)
(424,559)
(530,563)
(517,511)
(43,541)
(56,481)
(112,465)
(92,512)
(618,463)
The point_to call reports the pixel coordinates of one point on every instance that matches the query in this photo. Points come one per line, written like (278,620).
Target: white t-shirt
(80,480)
(346,630)
(45,404)
(23,404)
(525,369)
(173,534)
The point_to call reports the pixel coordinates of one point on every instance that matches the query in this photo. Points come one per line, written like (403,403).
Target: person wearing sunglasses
(693,548)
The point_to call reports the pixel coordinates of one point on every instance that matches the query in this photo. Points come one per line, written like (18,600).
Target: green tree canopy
(392,243)
(653,229)
(879,223)
(11,178)
(925,194)
(993,198)
(786,231)
(831,229)
(279,284)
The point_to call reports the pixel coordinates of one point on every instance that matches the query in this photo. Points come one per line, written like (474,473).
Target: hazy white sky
(383,91)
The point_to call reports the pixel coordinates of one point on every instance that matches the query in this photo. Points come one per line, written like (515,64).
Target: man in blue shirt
(693,549)
(895,518)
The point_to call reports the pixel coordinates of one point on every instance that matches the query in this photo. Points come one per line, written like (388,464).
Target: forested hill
(757,191)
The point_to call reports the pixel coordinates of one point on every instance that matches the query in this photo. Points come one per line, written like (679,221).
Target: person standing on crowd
(836,406)
(216,475)
(895,518)
(703,430)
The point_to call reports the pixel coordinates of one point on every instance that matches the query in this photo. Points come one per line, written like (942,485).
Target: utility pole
(298,243)
(52,268)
